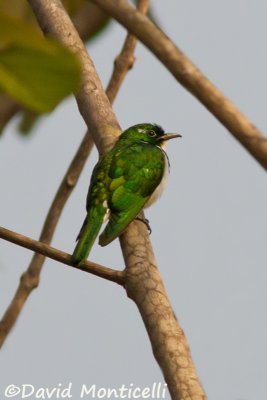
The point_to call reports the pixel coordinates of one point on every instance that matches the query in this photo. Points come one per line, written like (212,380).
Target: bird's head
(150,133)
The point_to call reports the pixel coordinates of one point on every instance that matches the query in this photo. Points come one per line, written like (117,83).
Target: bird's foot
(146,222)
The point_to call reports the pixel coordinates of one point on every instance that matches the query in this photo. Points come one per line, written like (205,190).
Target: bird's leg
(145,221)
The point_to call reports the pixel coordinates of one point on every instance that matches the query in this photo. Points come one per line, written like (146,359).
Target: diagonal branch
(31,276)
(100,120)
(61,256)
(143,282)
(88,19)
(189,76)
(125,59)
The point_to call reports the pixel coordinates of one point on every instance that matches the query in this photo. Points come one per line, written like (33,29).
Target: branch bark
(189,76)
(30,278)
(168,341)
(88,19)
(125,59)
(93,105)
(58,255)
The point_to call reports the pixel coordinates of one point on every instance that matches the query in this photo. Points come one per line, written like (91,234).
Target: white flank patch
(107,215)
(159,189)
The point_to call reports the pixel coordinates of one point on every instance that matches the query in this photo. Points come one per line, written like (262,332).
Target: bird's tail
(87,235)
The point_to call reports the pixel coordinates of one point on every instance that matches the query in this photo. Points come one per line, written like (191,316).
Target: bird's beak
(168,136)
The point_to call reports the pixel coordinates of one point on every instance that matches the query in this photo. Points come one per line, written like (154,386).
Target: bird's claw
(146,222)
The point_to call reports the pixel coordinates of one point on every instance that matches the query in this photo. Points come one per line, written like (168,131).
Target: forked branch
(189,76)
(143,282)
(30,278)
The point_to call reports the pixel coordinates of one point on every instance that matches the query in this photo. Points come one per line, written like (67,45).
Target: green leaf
(36,71)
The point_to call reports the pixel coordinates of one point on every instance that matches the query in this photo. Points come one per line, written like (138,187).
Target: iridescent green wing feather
(135,172)
(96,211)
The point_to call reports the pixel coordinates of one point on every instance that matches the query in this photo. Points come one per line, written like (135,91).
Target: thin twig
(125,59)
(61,256)
(101,120)
(31,276)
(189,76)
(143,282)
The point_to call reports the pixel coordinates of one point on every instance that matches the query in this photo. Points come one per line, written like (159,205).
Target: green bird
(128,178)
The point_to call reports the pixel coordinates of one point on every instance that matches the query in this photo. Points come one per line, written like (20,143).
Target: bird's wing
(135,172)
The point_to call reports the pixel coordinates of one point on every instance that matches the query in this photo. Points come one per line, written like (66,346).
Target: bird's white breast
(159,189)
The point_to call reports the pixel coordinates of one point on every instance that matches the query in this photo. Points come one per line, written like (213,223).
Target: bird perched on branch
(128,178)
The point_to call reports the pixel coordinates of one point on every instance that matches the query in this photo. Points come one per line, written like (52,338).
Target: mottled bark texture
(143,281)
(58,255)
(92,100)
(144,286)
(30,278)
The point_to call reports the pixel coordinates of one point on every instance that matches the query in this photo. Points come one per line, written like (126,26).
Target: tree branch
(31,276)
(125,59)
(147,290)
(88,19)
(61,256)
(93,105)
(189,76)
(143,282)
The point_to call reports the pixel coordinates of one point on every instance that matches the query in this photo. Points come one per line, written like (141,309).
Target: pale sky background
(208,229)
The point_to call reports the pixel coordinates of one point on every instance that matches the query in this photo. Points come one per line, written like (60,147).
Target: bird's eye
(152,133)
